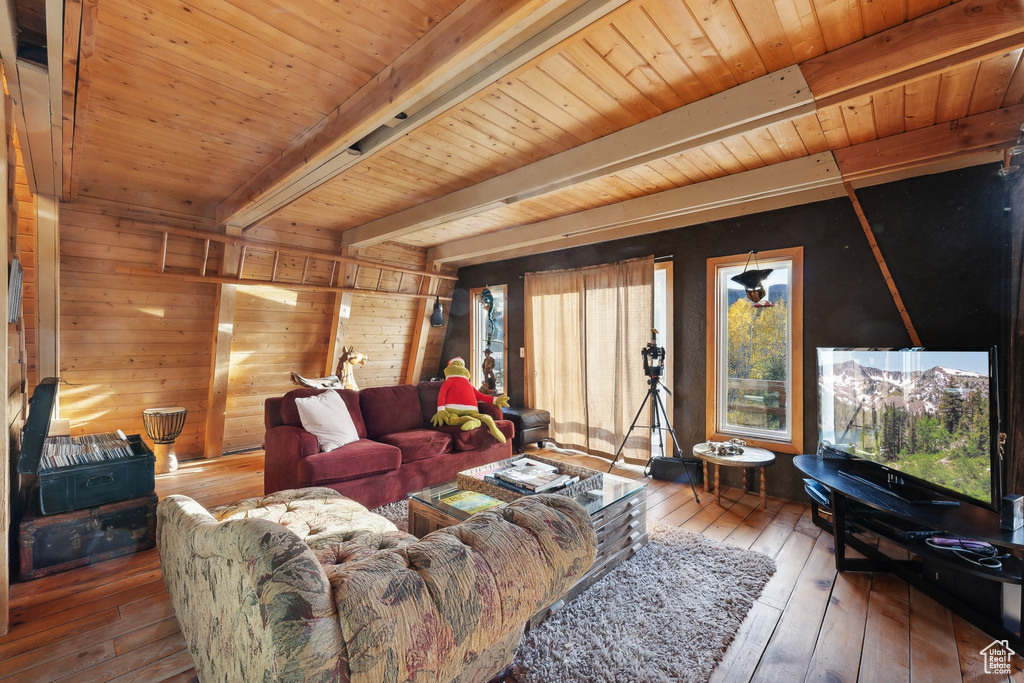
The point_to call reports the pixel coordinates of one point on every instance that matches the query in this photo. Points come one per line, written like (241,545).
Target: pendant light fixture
(437,317)
(752,281)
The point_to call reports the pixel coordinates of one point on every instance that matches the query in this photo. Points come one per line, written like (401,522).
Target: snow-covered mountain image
(917,391)
(924,413)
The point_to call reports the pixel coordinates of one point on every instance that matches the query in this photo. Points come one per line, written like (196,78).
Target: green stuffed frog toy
(457,401)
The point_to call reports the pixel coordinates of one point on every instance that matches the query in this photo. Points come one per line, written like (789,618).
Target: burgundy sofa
(398,450)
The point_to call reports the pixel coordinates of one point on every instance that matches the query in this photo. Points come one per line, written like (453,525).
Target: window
(755,353)
(488,341)
(663,323)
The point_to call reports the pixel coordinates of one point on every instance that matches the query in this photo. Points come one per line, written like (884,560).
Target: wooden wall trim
(48,236)
(886,275)
(220,279)
(342,312)
(420,333)
(5,444)
(220,357)
(345,256)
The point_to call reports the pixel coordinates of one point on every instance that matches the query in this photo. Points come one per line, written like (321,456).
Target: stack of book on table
(528,476)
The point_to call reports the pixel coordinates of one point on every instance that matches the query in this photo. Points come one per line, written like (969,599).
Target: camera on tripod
(654,357)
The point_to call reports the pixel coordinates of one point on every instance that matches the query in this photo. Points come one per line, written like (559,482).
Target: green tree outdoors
(758,348)
(949,446)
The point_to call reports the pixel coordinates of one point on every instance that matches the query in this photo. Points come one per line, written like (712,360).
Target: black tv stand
(905,492)
(991,599)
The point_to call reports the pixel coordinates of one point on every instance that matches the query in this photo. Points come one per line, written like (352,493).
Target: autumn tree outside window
(755,353)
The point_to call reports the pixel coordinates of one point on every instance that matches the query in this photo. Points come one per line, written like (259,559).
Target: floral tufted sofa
(307,585)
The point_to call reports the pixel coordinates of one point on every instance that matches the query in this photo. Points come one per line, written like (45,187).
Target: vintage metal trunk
(54,543)
(75,487)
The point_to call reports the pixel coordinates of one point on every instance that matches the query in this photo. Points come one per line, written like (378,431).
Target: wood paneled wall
(384,328)
(14,408)
(129,343)
(26,205)
(276,331)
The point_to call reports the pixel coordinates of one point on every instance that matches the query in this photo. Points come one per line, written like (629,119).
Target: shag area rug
(665,615)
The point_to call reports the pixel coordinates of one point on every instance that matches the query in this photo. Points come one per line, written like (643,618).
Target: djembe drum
(164,425)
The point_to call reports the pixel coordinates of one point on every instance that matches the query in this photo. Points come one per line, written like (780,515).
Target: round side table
(750,457)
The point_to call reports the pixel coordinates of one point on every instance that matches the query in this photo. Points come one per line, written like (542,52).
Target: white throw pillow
(326,417)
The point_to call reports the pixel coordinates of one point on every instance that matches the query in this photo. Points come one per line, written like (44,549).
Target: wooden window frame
(795,444)
(668,341)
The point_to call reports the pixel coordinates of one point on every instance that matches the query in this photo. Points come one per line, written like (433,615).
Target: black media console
(991,599)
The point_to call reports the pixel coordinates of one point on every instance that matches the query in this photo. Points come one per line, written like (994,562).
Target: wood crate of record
(513,478)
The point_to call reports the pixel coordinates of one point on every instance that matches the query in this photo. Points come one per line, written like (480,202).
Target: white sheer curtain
(585,330)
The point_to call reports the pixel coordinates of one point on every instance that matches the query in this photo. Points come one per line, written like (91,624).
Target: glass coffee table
(618,511)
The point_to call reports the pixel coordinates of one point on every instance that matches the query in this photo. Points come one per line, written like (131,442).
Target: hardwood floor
(113,621)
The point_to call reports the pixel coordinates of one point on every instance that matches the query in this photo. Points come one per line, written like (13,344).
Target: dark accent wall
(945,238)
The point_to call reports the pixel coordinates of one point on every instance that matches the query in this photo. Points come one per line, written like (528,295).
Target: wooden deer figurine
(350,358)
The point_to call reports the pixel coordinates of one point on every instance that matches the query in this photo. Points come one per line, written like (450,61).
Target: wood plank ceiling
(206,109)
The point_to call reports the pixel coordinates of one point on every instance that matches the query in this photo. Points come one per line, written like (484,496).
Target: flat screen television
(922,416)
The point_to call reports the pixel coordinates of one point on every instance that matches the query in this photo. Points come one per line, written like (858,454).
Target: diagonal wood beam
(447,58)
(779,96)
(991,130)
(711,200)
(960,33)
(886,275)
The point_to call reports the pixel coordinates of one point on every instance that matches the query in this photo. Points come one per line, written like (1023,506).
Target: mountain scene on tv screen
(932,424)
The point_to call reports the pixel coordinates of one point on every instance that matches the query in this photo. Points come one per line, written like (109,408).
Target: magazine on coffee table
(471,501)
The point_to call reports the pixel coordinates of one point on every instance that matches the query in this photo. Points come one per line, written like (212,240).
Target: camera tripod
(654,396)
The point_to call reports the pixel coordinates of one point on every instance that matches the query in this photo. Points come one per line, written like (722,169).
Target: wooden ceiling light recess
(474,128)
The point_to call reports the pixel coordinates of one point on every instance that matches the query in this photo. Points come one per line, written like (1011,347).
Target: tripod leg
(629,431)
(658,405)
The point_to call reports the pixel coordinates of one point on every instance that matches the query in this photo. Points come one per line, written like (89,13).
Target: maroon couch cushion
(387,410)
(290,414)
(418,444)
(428,392)
(358,459)
(477,439)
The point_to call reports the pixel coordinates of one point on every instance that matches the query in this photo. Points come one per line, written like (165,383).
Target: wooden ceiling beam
(55,66)
(35,105)
(724,197)
(429,70)
(991,130)
(9,56)
(960,33)
(814,194)
(771,99)
(932,166)
(68,83)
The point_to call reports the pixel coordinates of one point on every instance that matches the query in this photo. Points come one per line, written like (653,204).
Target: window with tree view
(754,351)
